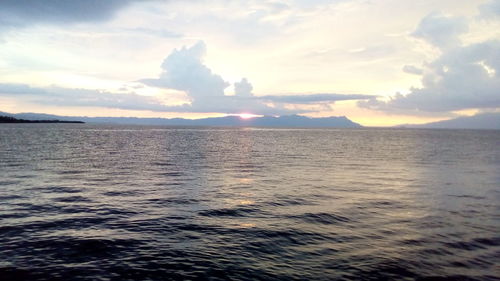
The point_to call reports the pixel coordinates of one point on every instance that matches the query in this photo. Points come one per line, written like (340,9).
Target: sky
(378,62)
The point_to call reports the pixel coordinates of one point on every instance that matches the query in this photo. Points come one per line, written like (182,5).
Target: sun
(247,115)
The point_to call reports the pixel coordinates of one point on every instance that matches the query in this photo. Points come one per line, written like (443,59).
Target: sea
(116,202)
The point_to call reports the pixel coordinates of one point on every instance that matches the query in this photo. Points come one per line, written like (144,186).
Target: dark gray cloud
(313,98)
(16,14)
(26,12)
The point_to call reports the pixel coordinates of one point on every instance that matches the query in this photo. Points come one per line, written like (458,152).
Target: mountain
(478,121)
(265,121)
(8,119)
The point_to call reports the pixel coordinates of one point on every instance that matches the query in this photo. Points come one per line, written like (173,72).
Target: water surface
(96,202)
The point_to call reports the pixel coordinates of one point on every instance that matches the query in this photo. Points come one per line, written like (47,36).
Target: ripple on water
(321,218)
(72,199)
(230,212)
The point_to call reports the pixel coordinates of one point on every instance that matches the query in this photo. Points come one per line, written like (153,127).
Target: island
(7,119)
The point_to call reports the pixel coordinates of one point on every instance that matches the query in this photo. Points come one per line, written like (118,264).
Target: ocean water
(85,202)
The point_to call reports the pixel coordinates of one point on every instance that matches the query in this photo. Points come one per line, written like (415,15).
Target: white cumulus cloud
(462,77)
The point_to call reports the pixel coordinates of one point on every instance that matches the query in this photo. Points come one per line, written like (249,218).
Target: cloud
(19,89)
(463,78)
(411,69)
(372,52)
(163,33)
(184,70)
(58,96)
(313,98)
(490,10)
(243,88)
(82,97)
(17,13)
(440,30)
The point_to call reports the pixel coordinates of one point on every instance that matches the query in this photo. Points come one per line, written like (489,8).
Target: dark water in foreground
(81,202)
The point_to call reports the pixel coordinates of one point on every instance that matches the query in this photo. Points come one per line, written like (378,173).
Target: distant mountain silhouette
(266,121)
(478,121)
(9,119)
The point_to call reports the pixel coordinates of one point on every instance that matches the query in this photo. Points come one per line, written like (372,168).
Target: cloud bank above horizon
(183,71)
